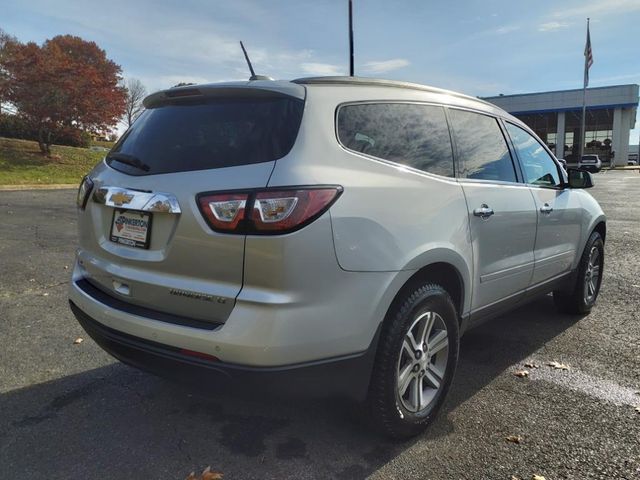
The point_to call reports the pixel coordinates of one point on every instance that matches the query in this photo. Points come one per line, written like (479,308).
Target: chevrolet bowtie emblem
(120,198)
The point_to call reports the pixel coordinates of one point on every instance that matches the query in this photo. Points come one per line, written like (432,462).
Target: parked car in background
(632,159)
(326,236)
(591,163)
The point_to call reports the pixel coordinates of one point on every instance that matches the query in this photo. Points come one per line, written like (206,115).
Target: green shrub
(14,126)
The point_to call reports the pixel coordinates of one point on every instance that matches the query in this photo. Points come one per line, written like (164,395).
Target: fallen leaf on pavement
(45,294)
(78,340)
(538,477)
(66,267)
(521,373)
(531,365)
(513,477)
(558,365)
(514,439)
(638,409)
(206,474)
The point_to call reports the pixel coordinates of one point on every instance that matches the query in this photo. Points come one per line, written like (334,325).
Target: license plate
(132,228)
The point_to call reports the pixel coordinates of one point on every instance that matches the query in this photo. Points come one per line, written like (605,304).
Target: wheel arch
(601,228)
(449,270)
(444,274)
(450,273)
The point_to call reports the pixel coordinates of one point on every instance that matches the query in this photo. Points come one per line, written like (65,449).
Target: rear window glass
(219,133)
(410,134)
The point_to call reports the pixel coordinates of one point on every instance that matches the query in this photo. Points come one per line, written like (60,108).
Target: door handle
(546,208)
(484,211)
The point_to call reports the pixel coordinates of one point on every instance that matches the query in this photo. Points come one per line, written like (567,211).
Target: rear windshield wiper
(129,160)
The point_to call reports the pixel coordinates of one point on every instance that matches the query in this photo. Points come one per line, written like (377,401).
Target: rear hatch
(143,238)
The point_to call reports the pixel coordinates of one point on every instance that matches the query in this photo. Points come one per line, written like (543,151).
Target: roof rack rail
(383,83)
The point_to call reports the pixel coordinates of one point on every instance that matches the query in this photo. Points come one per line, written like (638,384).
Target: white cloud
(607,80)
(599,7)
(383,66)
(551,26)
(193,45)
(322,69)
(506,29)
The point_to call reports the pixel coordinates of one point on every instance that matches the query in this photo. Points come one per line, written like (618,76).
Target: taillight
(285,210)
(224,211)
(266,212)
(86,185)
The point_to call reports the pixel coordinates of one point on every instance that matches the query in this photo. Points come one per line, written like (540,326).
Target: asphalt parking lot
(70,411)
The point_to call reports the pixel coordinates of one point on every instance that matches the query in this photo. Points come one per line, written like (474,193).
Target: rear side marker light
(266,212)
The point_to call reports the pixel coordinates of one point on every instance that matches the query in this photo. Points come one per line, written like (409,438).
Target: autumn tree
(6,43)
(65,83)
(135,93)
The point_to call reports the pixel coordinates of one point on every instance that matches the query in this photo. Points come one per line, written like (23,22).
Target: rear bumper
(267,327)
(346,376)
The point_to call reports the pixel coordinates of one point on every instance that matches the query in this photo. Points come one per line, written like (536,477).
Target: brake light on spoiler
(268,211)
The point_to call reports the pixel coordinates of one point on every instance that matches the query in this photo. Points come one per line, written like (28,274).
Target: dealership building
(556,118)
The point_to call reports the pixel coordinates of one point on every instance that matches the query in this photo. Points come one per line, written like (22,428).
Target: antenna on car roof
(246,57)
(253,74)
(350,38)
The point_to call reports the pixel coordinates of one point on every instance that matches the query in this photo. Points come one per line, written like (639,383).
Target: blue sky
(477,47)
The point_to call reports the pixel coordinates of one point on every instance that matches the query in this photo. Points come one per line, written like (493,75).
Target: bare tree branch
(136,92)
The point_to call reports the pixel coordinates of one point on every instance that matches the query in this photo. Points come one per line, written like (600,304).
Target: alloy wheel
(422,362)
(592,276)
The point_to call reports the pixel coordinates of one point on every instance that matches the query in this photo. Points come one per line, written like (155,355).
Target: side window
(409,134)
(537,165)
(482,150)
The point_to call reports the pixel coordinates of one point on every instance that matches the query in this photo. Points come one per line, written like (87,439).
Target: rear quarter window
(409,134)
(221,132)
(483,153)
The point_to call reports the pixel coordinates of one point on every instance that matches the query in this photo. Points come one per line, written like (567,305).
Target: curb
(38,186)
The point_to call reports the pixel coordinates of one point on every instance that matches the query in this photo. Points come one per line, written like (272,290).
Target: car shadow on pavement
(116,422)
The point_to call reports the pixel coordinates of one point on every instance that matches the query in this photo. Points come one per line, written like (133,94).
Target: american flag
(588,58)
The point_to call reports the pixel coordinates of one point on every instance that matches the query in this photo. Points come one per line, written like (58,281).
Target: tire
(580,298)
(425,308)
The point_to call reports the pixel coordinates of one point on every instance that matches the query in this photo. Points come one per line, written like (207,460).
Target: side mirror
(579,178)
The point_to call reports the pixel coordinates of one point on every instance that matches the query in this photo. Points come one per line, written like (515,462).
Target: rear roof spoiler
(254,88)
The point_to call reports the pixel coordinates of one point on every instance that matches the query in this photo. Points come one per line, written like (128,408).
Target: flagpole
(584,102)
(350,38)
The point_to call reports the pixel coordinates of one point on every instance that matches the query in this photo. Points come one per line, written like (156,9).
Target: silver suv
(326,236)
